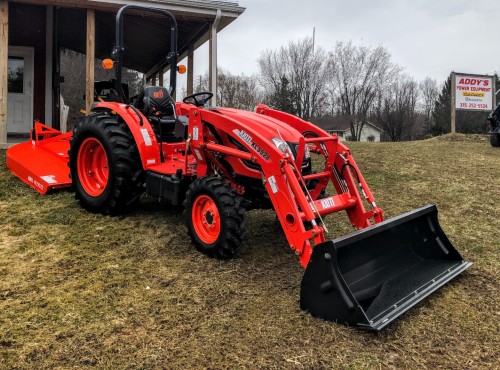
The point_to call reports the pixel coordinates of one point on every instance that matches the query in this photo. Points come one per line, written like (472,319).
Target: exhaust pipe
(370,277)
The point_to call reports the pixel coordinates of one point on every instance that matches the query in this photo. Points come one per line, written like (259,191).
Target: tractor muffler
(372,276)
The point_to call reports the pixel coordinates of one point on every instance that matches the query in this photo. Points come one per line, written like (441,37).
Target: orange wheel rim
(206,219)
(92,167)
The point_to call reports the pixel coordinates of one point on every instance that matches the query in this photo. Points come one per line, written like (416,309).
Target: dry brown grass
(83,290)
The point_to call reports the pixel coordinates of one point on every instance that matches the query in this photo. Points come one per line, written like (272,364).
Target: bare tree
(397,112)
(294,77)
(357,77)
(237,91)
(234,91)
(202,83)
(429,93)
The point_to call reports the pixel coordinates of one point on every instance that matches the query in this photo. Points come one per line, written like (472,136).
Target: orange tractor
(219,163)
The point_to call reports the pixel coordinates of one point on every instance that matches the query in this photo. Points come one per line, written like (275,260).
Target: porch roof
(147,37)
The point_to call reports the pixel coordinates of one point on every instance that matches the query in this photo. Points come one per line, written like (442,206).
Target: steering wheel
(198,99)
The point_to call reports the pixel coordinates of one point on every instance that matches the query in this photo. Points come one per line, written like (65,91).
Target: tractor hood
(264,125)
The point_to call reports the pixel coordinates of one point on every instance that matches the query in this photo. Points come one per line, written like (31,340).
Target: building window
(16,75)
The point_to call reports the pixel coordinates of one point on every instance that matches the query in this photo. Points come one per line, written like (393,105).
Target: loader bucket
(372,276)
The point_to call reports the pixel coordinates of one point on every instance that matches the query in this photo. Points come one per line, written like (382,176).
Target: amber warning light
(181,69)
(108,64)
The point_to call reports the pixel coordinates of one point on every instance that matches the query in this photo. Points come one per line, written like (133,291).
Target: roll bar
(119,48)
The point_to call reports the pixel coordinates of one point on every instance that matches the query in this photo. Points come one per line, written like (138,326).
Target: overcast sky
(427,38)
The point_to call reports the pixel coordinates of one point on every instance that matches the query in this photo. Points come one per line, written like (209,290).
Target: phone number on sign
(474,105)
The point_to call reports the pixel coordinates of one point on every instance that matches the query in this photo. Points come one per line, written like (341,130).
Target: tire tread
(230,209)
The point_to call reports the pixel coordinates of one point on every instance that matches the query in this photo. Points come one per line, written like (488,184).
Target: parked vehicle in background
(494,126)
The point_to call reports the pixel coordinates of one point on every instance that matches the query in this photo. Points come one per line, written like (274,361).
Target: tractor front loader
(220,163)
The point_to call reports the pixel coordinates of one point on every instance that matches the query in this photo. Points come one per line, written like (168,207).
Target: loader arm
(277,175)
(345,173)
(298,211)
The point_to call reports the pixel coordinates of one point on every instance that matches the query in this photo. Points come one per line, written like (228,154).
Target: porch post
(4,63)
(160,77)
(190,70)
(174,95)
(49,67)
(90,59)
(213,58)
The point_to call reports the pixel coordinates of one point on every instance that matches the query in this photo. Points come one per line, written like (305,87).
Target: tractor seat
(159,107)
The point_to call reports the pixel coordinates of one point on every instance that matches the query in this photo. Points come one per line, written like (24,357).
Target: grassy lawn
(84,290)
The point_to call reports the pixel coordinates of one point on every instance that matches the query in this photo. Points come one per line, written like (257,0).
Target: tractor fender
(140,128)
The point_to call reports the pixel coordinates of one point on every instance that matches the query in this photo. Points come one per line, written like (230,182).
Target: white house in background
(341,125)
(369,132)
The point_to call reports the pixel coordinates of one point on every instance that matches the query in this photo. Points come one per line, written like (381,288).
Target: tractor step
(374,275)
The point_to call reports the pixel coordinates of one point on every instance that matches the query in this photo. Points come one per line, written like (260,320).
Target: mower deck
(42,164)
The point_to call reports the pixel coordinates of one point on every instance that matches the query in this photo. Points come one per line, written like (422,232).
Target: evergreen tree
(442,111)
(282,98)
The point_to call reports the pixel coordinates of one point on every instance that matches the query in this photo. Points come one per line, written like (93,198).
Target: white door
(20,97)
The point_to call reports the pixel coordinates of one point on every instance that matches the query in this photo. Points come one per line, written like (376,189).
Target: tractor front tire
(495,140)
(214,217)
(105,165)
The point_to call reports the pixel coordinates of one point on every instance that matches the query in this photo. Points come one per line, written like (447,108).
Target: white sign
(146,137)
(474,92)
(272,183)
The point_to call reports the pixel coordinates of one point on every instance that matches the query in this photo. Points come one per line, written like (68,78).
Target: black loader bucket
(370,277)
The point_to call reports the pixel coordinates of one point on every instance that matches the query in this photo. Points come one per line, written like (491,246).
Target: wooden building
(32,33)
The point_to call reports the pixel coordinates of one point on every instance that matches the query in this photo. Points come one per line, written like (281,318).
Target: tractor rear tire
(495,140)
(214,217)
(105,165)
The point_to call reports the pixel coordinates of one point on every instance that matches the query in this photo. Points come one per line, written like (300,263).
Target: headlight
(283,146)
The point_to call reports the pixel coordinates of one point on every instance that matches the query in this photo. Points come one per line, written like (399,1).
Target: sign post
(472,93)
(453,103)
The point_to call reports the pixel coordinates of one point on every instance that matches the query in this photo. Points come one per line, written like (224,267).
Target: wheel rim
(92,166)
(206,219)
